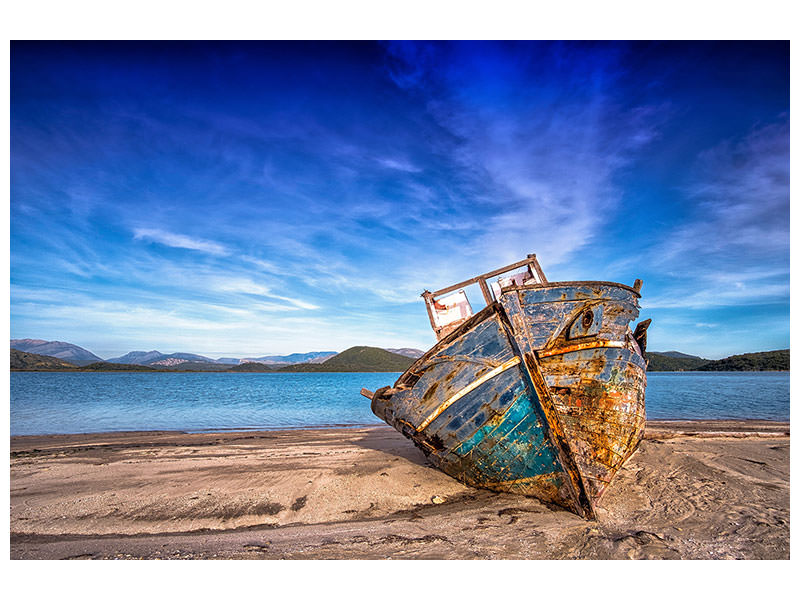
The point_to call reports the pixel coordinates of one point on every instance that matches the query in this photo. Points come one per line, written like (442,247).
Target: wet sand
(693,490)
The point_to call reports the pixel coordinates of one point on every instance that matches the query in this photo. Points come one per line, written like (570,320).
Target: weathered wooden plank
(487,293)
(537,268)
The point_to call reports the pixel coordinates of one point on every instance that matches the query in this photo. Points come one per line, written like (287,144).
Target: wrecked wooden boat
(539,393)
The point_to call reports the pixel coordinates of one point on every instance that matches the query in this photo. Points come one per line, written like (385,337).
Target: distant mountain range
(291,359)
(62,350)
(358,358)
(78,356)
(156,358)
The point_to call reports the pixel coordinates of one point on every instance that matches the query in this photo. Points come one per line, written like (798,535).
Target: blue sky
(240,199)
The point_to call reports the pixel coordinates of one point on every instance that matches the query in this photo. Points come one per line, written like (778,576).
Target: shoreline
(151,370)
(693,489)
(654,426)
(234,372)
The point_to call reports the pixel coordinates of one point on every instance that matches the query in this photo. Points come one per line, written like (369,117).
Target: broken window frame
(534,270)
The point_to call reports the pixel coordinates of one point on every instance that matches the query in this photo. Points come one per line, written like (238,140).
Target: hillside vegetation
(106,366)
(777,360)
(61,350)
(253,367)
(28,361)
(357,359)
(673,361)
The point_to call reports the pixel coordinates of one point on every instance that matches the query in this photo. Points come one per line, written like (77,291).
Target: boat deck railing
(534,271)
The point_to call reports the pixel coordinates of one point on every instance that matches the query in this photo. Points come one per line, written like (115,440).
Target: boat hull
(521,399)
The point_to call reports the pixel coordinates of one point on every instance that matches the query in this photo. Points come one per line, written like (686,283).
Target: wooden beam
(429,305)
(487,293)
(531,260)
(537,268)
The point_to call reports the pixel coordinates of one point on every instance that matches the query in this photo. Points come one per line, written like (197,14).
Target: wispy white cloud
(732,249)
(703,295)
(267,265)
(296,302)
(113,327)
(244,285)
(542,151)
(177,240)
(398,165)
(236,285)
(741,204)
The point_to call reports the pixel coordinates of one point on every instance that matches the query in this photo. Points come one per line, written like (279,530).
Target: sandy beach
(693,490)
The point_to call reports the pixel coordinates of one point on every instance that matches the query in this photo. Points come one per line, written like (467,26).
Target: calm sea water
(45,403)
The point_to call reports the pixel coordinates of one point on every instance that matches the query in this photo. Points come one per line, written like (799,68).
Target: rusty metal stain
(581,346)
(540,393)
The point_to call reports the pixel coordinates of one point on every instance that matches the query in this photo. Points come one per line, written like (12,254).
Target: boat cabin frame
(534,271)
(442,326)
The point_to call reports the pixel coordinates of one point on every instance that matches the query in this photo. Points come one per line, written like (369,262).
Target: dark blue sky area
(253,198)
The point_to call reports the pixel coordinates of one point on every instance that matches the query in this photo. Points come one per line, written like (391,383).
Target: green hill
(777,360)
(356,359)
(252,367)
(676,354)
(28,361)
(673,361)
